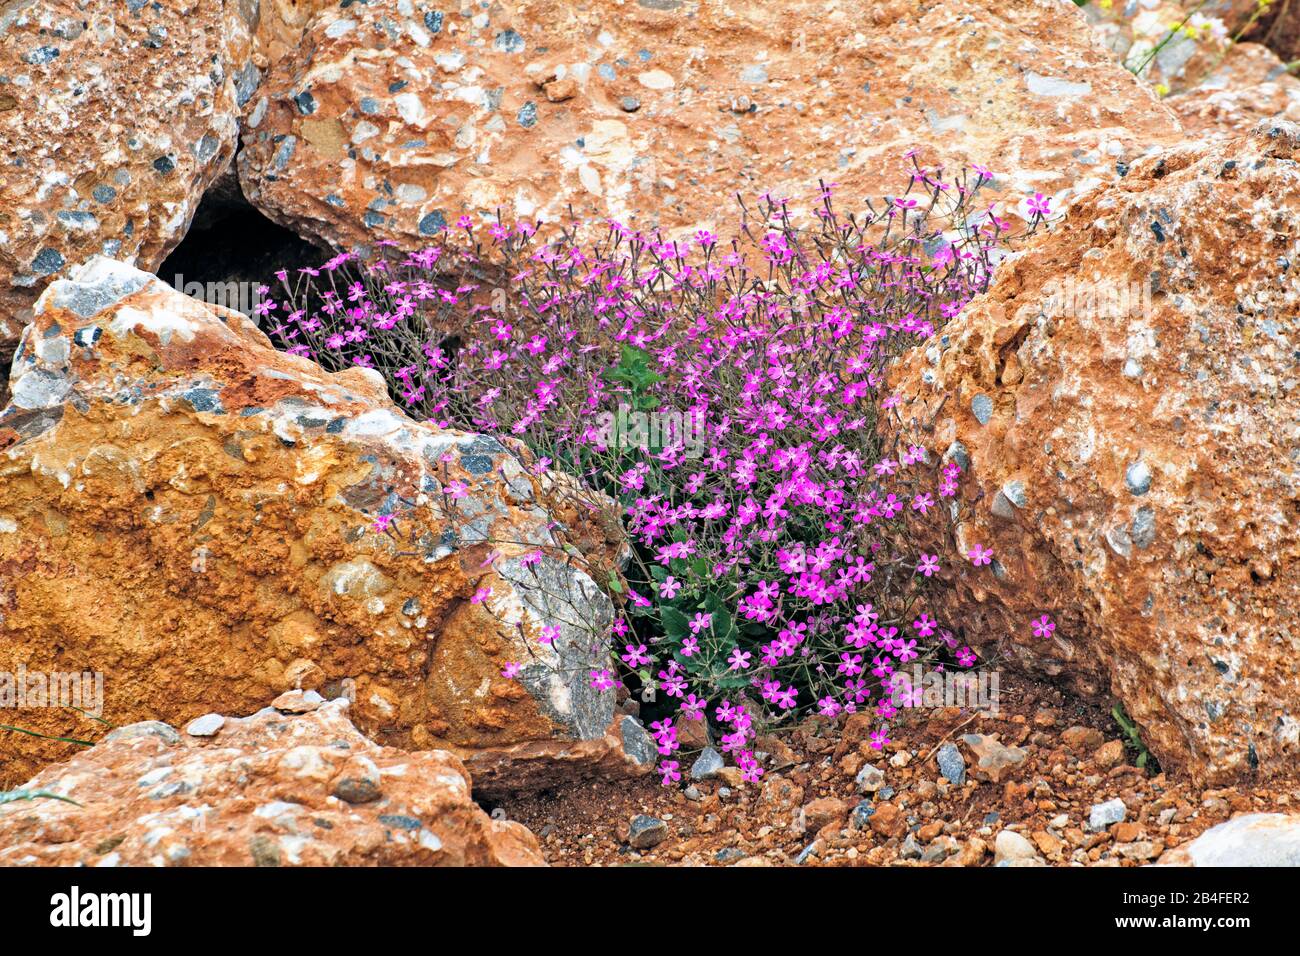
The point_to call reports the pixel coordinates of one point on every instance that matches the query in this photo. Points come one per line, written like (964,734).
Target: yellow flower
(1107,4)
(1162,89)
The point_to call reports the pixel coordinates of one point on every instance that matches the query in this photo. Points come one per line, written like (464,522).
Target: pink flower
(511,670)
(739,659)
(980,555)
(1044,626)
(635,656)
(670,772)
(929,564)
(601,679)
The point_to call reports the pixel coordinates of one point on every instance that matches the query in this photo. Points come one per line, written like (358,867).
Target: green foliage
(1133,739)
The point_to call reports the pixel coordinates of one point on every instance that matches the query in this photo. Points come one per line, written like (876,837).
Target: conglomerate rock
(191,513)
(1253,839)
(266,790)
(115,116)
(395,117)
(1250,85)
(1124,401)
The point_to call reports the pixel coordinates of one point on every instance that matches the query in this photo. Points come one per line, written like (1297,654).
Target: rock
(951,764)
(1082,740)
(359,781)
(1011,847)
(807,853)
(1049,844)
(205,726)
(910,850)
(1103,815)
(1108,755)
(1253,839)
(216,498)
(277,810)
(297,702)
(1119,362)
(780,756)
(870,778)
(780,793)
(992,758)
(645,832)
(707,765)
(1250,85)
(887,821)
(861,817)
(823,811)
(972,853)
(409,127)
(116,117)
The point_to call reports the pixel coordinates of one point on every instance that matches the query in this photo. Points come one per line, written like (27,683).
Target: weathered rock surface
(114,118)
(190,512)
(265,790)
(1251,85)
(394,118)
(1255,839)
(1124,404)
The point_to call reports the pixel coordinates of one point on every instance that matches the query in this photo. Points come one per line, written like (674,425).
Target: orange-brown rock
(392,119)
(192,514)
(114,118)
(265,790)
(1250,85)
(1124,404)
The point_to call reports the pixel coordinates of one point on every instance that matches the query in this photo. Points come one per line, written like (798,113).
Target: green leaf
(12,796)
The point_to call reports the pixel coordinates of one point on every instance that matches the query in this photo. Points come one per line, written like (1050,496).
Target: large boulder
(394,118)
(1124,401)
(1253,839)
(114,118)
(192,513)
(265,790)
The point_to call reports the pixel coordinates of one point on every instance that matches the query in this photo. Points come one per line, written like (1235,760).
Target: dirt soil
(809,808)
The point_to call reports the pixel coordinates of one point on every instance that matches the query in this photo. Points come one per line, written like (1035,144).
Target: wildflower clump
(723,398)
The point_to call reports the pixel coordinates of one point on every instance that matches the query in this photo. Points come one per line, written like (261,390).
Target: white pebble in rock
(205,726)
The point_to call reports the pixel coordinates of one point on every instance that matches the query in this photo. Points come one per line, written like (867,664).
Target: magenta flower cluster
(730,399)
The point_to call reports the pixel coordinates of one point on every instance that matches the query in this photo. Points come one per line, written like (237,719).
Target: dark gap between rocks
(232,248)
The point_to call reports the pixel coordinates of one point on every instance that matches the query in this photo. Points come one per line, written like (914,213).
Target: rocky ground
(1060,789)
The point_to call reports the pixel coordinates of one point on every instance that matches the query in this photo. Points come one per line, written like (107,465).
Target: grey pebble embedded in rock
(1105,814)
(1138,478)
(952,764)
(982,408)
(630,104)
(205,726)
(645,832)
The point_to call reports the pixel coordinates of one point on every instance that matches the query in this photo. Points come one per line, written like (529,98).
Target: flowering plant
(726,396)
